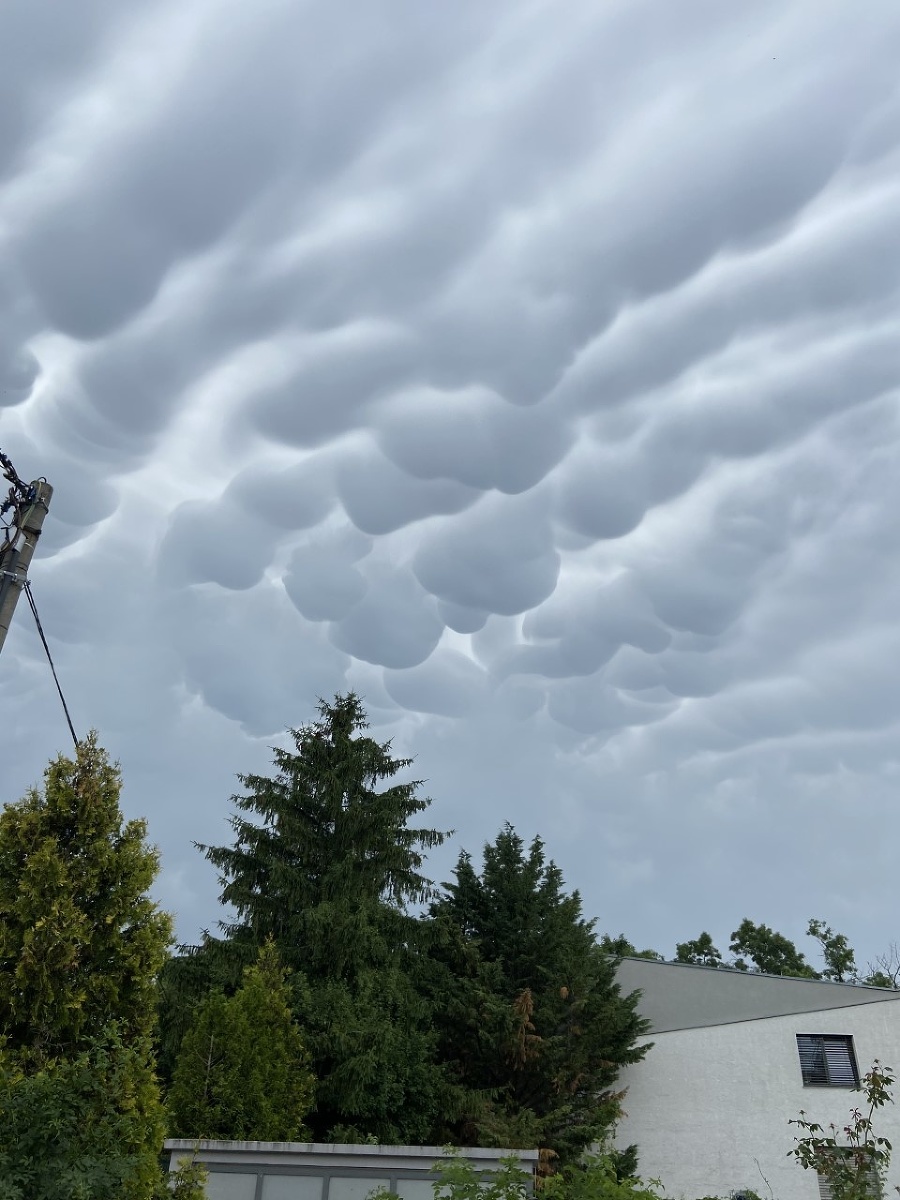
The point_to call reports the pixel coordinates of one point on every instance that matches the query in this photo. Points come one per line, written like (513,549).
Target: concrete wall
(707,1104)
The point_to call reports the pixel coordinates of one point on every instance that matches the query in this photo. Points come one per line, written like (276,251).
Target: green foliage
(81,939)
(242,1071)
(86,1128)
(769,951)
(593,1178)
(620,947)
(854,1168)
(186,1182)
(532,1024)
(596,1178)
(700,951)
(459,1179)
(840,961)
(326,864)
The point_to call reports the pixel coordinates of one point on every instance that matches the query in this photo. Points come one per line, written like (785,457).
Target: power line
(26,587)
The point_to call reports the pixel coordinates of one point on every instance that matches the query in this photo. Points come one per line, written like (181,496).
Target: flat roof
(334,1153)
(687,996)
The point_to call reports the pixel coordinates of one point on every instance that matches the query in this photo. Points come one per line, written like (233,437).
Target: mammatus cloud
(534,373)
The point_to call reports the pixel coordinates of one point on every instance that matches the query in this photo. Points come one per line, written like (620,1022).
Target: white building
(735,1056)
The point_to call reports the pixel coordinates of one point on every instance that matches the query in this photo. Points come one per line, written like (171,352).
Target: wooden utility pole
(29,504)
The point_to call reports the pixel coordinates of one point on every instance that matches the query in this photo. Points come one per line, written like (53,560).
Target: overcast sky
(530,367)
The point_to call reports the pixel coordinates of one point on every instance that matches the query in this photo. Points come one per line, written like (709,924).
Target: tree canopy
(81,943)
(326,863)
(81,939)
(533,1025)
(243,1069)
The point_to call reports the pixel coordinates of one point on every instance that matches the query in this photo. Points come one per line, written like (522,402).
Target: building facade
(735,1056)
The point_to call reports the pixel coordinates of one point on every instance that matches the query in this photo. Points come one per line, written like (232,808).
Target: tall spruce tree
(81,943)
(533,1024)
(326,864)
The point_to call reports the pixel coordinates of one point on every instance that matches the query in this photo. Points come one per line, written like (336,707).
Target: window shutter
(827,1060)
(812,1062)
(825,1192)
(841,1066)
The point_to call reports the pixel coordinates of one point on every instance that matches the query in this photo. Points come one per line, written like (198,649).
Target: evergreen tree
(81,942)
(243,1070)
(81,939)
(533,1024)
(327,868)
(86,1126)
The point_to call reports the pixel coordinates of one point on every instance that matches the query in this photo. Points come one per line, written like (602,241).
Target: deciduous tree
(700,951)
(769,952)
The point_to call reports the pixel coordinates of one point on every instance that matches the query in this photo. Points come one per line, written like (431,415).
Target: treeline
(760,948)
(344,998)
(483,1012)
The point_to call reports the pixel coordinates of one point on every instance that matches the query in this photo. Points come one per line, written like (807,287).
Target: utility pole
(28,503)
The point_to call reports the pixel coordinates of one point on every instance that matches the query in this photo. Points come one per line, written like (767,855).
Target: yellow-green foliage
(81,940)
(242,1071)
(81,943)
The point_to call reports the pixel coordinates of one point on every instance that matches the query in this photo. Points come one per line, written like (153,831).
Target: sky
(531,367)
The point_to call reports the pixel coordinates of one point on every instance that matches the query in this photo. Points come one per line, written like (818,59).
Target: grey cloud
(603,494)
(473,437)
(577,633)
(395,624)
(214,543)
(590,708)
(379,498)
(535,375)
(251,657)
(499,557)
(460,619)
(337,373)
(449,684)
(43,50)
(323,580)
(293,498)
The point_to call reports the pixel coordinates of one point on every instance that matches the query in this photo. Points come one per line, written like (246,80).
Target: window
(827,1060)
(874,1189)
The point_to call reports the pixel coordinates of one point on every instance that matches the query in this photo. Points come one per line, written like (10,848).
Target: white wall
(706,1103)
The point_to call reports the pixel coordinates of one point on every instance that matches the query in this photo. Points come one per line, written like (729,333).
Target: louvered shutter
(827,1060)
(841,1062)
(825,1192)
(812,1060)
(874,1189)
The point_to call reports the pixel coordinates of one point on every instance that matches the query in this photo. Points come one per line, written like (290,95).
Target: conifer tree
(326,864)
(243,1069)
(81,942)
(81,939)
(533,1022)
